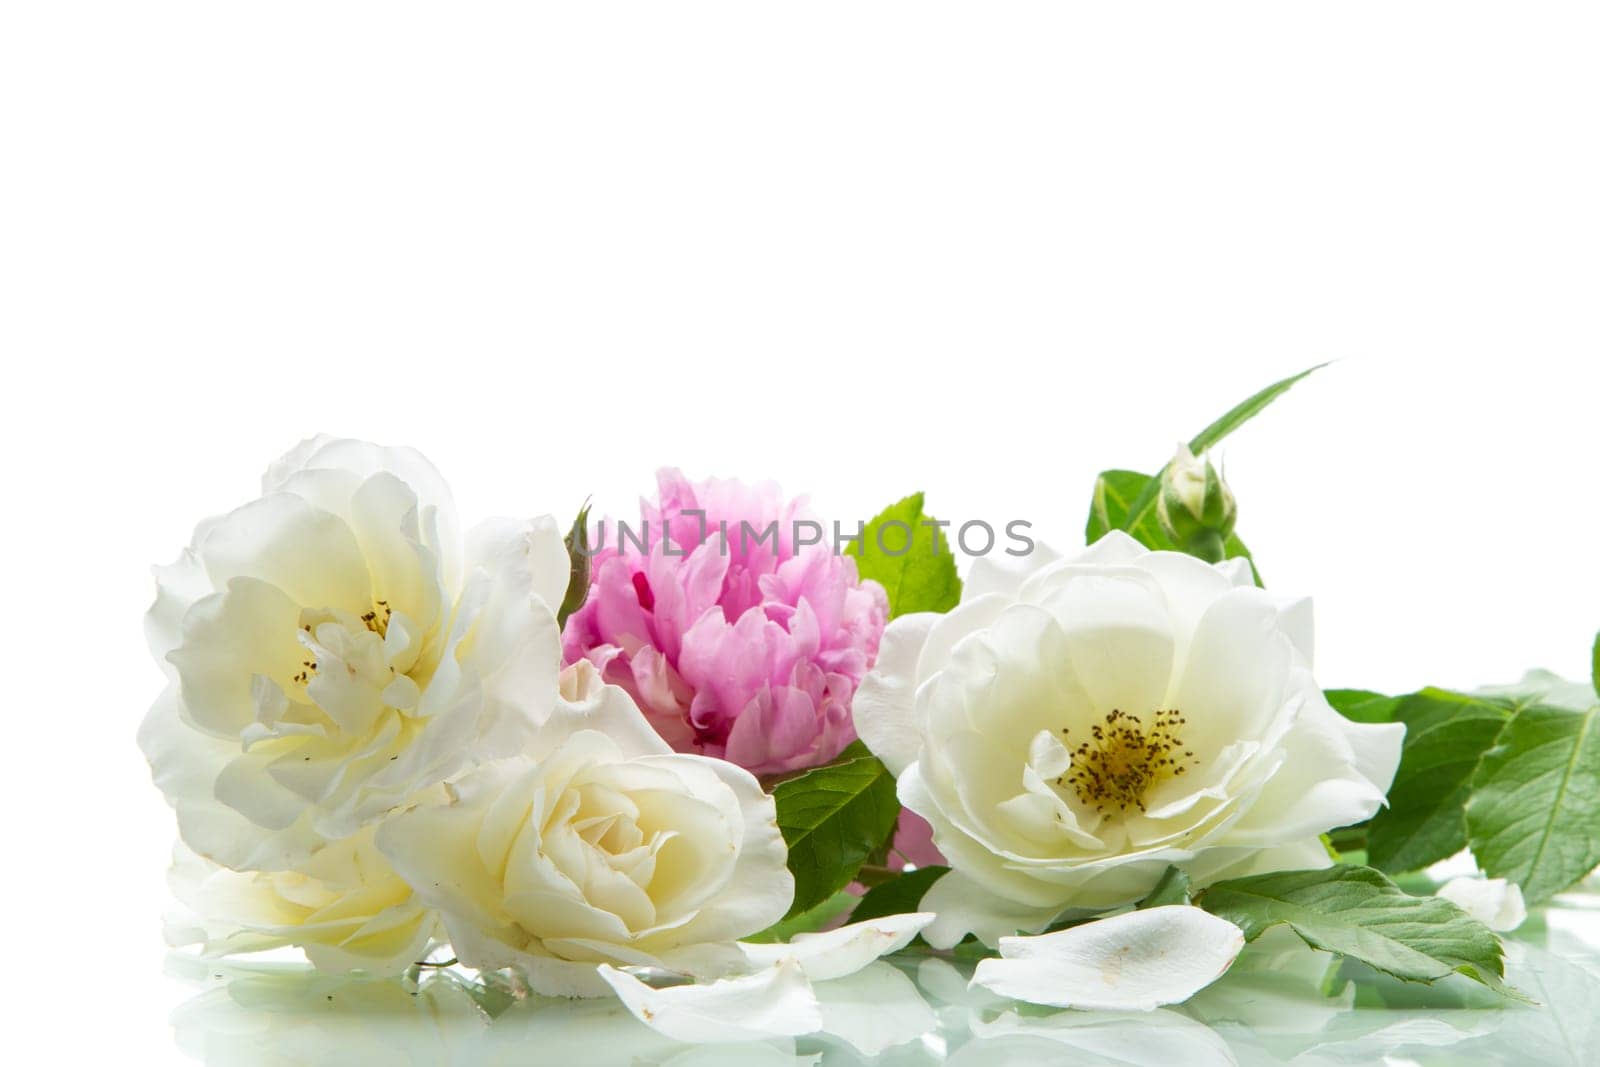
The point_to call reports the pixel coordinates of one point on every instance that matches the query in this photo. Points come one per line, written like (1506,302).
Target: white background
(982,250)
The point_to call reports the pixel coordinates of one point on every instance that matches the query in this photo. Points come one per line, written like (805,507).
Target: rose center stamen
(1123,758)
(377,620)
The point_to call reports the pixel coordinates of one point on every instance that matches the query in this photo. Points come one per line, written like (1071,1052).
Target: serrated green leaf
(833,818)
(1173,888)
(1114,494)
(1446,734)
(920,578)
(1143,505)
(1363,705)
(1360,913)
(1534,815)
(900,894)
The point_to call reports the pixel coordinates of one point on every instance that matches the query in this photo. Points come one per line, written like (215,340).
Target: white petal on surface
(1133,962)
(1494,902)
(876,1008)
(883,703)
(778,1001)
(838,953)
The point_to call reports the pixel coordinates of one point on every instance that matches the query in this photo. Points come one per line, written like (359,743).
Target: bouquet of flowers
(711,757)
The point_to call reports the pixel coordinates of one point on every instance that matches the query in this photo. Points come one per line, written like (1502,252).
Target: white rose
(1075,726)
(345,908)
(332,650)
(598,845)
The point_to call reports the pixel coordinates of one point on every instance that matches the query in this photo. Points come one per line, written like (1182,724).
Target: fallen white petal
(775,1002)
(1494,902)
(876,1008)
(1132,962)
(837,953)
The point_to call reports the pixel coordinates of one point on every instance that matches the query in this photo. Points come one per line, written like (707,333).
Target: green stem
(1207,545)
(871,874)
(1348,838)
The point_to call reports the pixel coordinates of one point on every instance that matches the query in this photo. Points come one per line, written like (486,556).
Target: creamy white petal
(607,709)
(836,953)
(760,887)
(1137,961)
(185,765)
(971,616)
(883,705)
(309,553)
(363,459)
(1237,571)
(531,554)
(963,907)
(1494,902)
(1004,574)
(1322,782)
(778,1001)
(1113,548)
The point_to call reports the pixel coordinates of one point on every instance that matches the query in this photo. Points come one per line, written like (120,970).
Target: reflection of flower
(332,651)
(734,641)
(597,845)
(260,1017)
(345,908)
(1074,727)
(1494,902)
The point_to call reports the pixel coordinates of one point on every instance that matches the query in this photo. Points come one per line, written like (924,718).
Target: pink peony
(740,646)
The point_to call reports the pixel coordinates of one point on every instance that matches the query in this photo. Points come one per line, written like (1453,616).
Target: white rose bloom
(345,908)
(1073,727)
(331,650)
(597,845)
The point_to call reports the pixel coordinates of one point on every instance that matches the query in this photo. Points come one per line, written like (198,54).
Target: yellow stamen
(1123,759)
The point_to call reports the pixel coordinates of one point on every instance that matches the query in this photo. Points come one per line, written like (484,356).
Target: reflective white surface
(1280,1003)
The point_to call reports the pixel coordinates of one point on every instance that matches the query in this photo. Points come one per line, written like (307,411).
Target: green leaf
(1244,411)
(912,561)
(1534,816)
(1173,888)
(1114,494)
(1446,734)
(1358,912)
(808,922)
(1144,504)
(832,819)
(1363,705)
(578,580)
(898,895)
